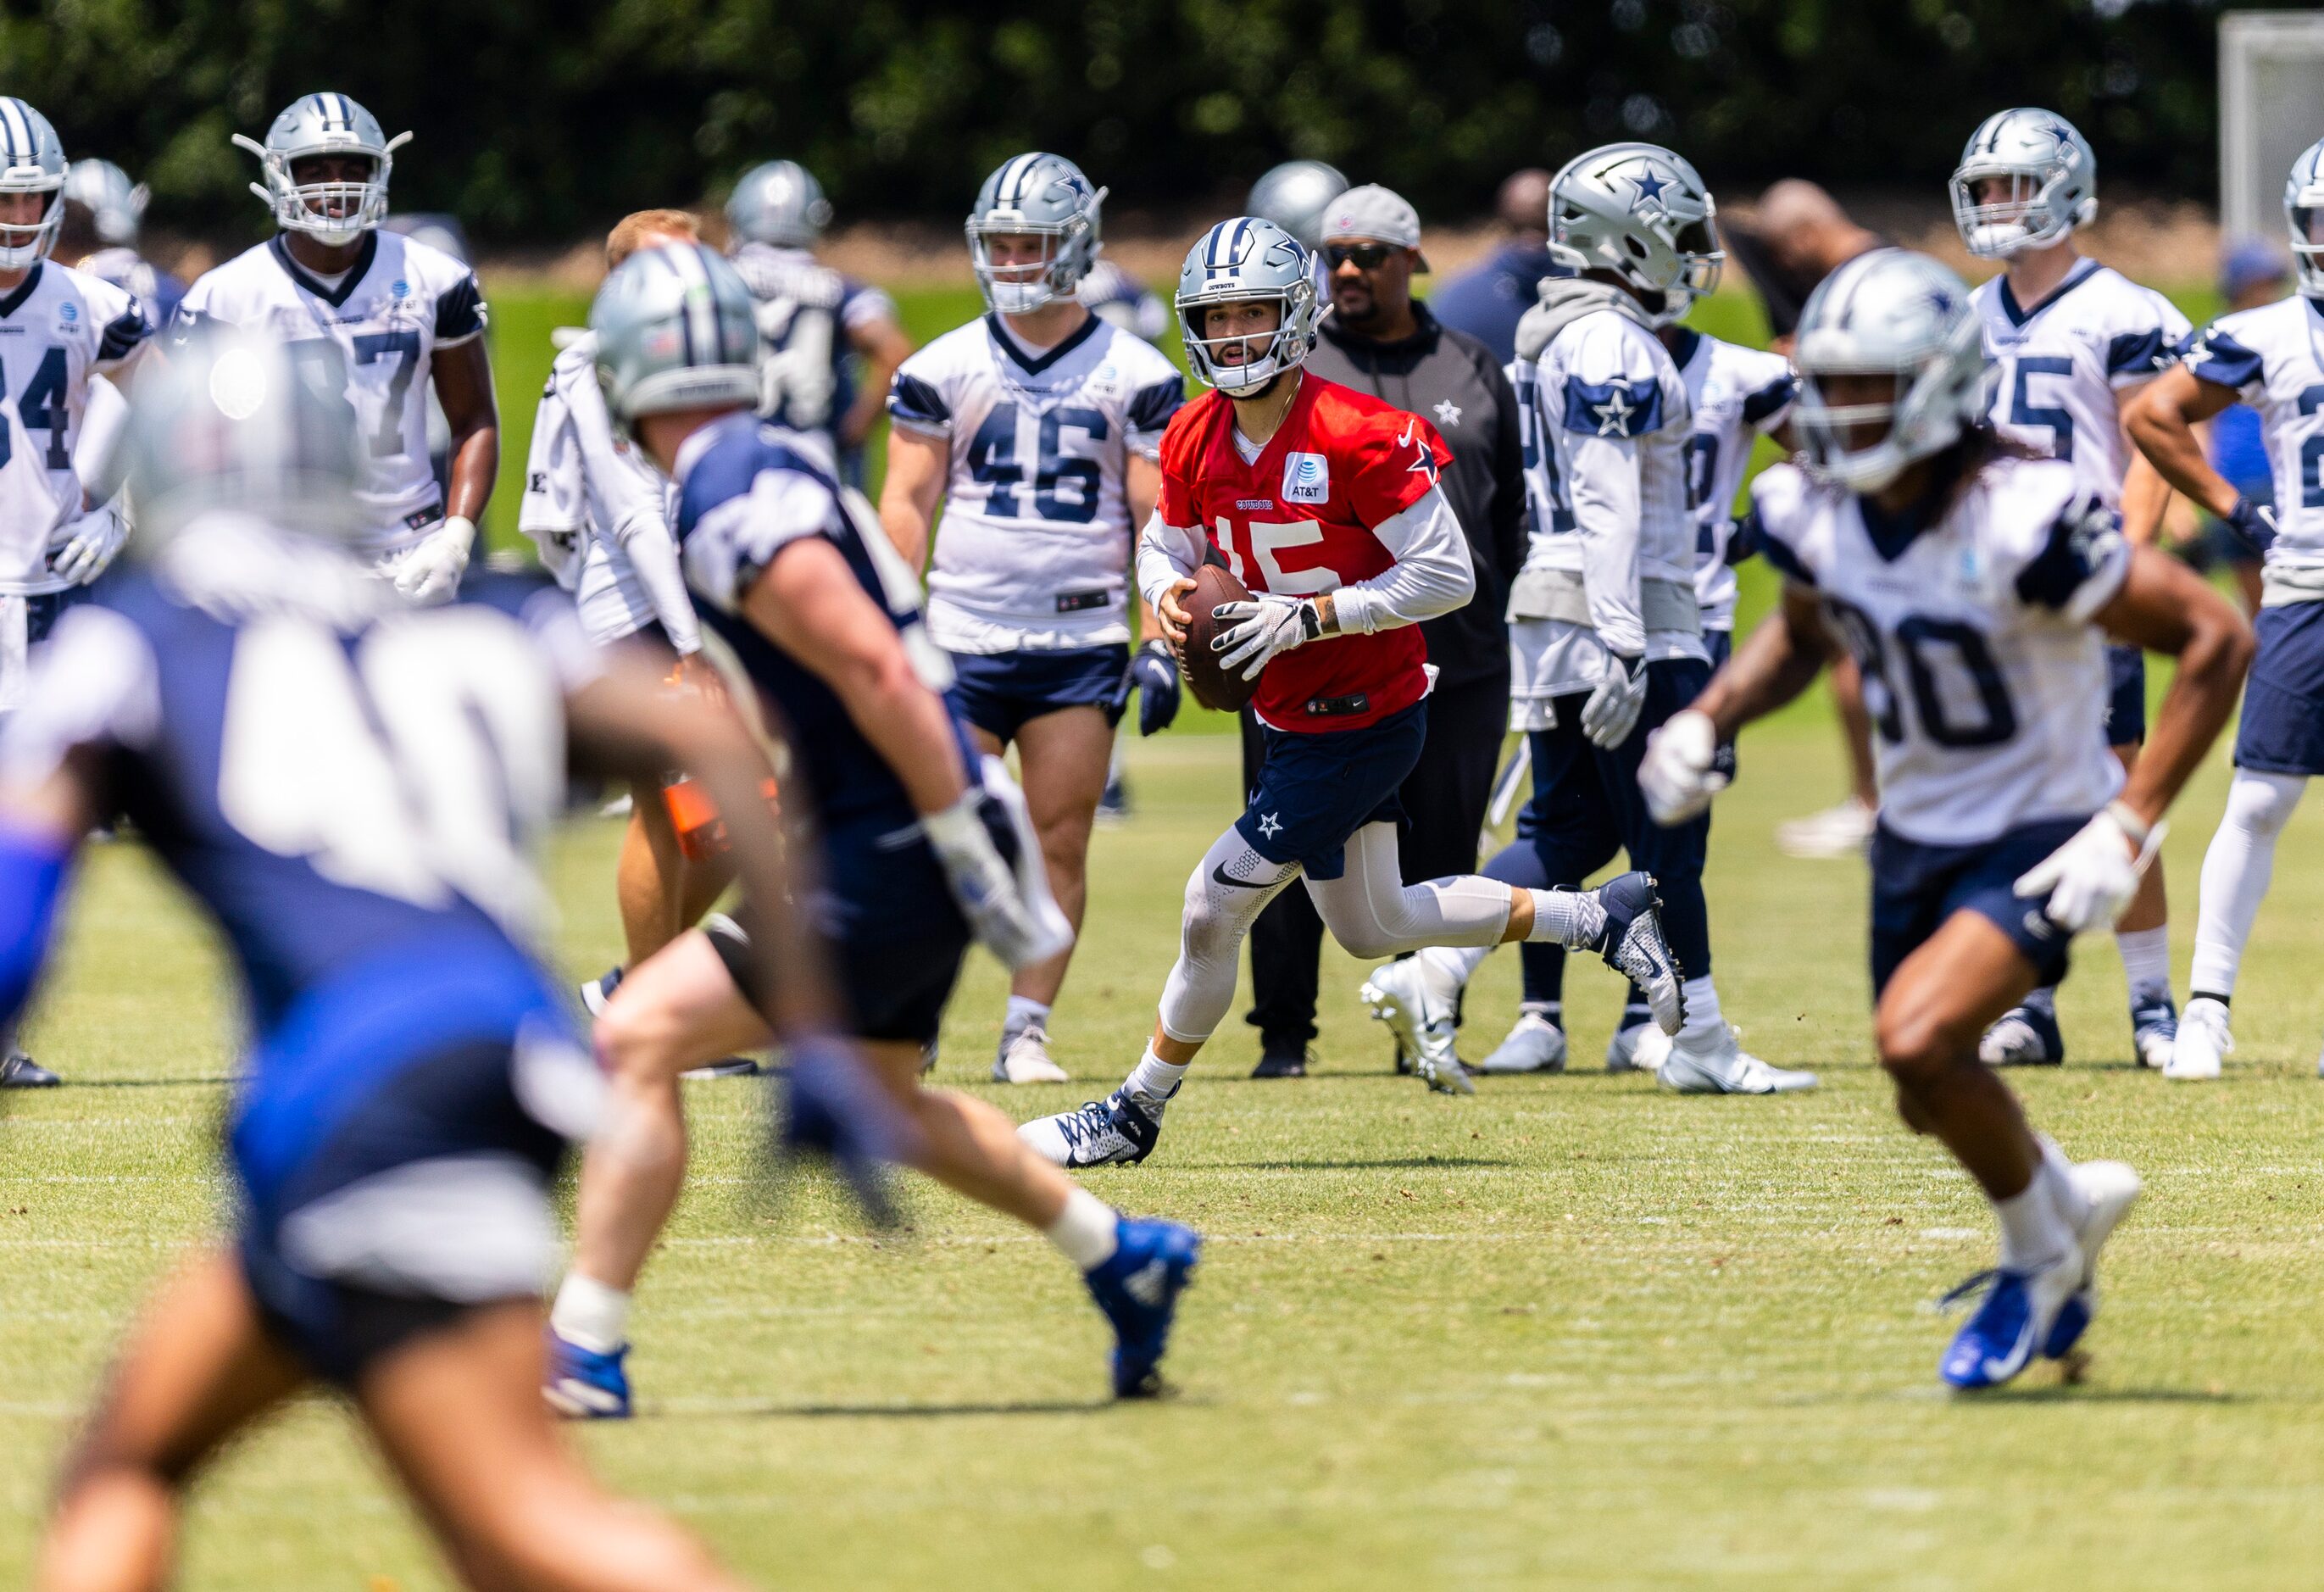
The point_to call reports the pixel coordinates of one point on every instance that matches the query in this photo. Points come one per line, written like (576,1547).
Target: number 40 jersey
(1983,675)
(1035,549)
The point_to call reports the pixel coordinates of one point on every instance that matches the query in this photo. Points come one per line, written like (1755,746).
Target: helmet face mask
(1892,368)
(1033,195)
(2303,217)
(325,205)
(31,162)
(1247,260)
(1638,213)
(2026,180)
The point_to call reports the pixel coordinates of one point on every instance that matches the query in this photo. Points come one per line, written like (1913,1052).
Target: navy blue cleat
(20,1071)
(1633,945)
(1137,1288)
(2025,1036)
(2153,1030)
(584,1385)
(1117,1131)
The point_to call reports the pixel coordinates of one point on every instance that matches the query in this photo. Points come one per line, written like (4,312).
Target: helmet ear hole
(1637,250)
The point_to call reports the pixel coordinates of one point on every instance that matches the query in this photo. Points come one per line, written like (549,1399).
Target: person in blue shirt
(1489,299)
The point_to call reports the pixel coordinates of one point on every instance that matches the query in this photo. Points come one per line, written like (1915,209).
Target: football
(1212,687)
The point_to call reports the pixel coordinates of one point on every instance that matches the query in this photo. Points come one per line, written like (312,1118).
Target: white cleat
(1653,1049)
(1622,1050)
(1026,1059)
(1844,830)
(2108,1189)
(1722,1068)
(1398,995)
(2202,1038)
(1534,1045)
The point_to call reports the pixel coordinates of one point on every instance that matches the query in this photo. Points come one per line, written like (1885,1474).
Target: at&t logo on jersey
(1306,478)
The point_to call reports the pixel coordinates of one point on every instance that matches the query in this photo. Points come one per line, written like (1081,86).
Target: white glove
(1009,907)
(2090,879)
(1261,628)
(1676,776)
(1612,711)
(85,546)
(431,572)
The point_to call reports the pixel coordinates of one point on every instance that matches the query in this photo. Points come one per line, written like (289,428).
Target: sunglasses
(1369,256)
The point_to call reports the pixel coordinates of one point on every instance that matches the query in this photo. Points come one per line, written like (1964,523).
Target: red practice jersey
(1299,521)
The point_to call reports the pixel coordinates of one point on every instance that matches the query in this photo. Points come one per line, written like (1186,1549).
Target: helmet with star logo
(1892,336)
(2026,180)
(2303,213)
(1641,213)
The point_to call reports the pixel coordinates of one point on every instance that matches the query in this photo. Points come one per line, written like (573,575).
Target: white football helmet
(1238,260)
(2303,213)
(335,213)
(1044,195)
(2052,177)
(1890,313)
(118,203)
(1642,213)
(778,203)
(1293,196)
(31,160)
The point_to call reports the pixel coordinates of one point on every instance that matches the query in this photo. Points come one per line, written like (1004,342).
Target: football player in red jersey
(1324,502)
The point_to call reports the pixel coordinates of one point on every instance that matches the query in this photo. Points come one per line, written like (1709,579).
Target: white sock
(1153,1078)
(2237,867)
(590,1315)
(1087,1231)
(1022,1014)
(1451,966)
(2033,1235)
(1705,1024)
(1550,1012)
(2146,962)
(1570,918)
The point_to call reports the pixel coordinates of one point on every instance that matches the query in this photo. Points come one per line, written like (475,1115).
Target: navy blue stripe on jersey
(21,292)
(337,296)
(912,399)
(1614,409)
(1770,398)
(1033,365)
(1150,407)
(128,329)
(1688,344)
(2018,316)
(2137,353)
(1774,548)
(2215,358)
(459,310)
(2083,541)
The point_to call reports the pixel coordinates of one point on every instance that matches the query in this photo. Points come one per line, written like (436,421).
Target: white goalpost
(2270,108)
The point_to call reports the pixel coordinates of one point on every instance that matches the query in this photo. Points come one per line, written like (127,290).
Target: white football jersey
(58,326)
(378,328)
(1984,676)
(806,312)
(1034,551)
(2065,363)
(1738,396)
(2272,358)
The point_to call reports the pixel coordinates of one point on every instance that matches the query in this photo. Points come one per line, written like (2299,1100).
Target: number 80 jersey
(1983,675)
(1033,552)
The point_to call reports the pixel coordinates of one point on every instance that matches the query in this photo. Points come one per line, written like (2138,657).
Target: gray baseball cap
(1374,212)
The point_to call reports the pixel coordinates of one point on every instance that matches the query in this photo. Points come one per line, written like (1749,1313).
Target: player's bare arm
(463,378)
(917,466)
(2161,421)
(882,346)
(1783,655)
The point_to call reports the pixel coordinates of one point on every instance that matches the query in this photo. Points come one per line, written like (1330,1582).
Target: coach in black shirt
(1376,339)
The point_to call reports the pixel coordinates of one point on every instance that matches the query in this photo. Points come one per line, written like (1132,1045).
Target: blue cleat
(20,1071)
(1633,945)
(2023,1036)
(2153,1030)
(1117,1131)
(2021,1314)
(1137,1288)
(584,1385)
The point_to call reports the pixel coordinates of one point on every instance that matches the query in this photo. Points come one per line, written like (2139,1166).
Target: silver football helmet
(335,213)
(1237,261)
(2303,213)
(1641,213)
(1045,196)
(118,203)
(778,203)
(31,160)
(675,329)
(1900,315)
(2053,176)
(1293,196)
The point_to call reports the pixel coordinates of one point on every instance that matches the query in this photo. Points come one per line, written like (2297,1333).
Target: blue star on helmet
(1940,300)
(1614,414)
(1650,187)
(2057,131)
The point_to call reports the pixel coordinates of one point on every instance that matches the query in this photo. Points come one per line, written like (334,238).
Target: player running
(2272,358)
(1324,502)
(1975,586)
(387,316)
(345,785)
(58,328)
(925,848)
(2074,341)
(1037,428)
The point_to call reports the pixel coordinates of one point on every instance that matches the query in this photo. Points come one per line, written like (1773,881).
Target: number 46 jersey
(1983,675)
(1033,552)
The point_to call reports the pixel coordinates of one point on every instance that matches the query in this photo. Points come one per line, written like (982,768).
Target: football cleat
(1113,806)
(2023,1036)
(2108,1189)
(1025,1058)
(1844,830)
(1622,1045)
(2154,1026)
(1534,1045)
(732,1067)
(1651,1049)
(2203,1038)
(2018,1315)
(1633,945)
(1722,1066)
(1275,1061)
(1137,1288)
(20,1071)
(1398,995)
(598,991)
(1117,1131)
(584,1385)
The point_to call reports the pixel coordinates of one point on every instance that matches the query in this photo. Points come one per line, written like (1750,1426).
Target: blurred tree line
(537,119)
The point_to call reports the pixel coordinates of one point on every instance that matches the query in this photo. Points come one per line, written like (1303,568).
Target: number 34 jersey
(1983,675)
(57,326)
(377,328)
(1033,552)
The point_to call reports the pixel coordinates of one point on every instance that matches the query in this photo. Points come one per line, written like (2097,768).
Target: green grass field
(1570,1332)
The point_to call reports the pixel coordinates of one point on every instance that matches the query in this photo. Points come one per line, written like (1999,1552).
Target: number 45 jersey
(1033,552)
(1983,675)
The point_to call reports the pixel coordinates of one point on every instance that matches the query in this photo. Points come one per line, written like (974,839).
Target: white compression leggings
(2236,872)
(1368,908)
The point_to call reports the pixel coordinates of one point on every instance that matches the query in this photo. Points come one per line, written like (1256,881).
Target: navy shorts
(1315,790)
(41,612)
(2125,723)
(896,990)
(998,691)
(2283,726)
(1916,888)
